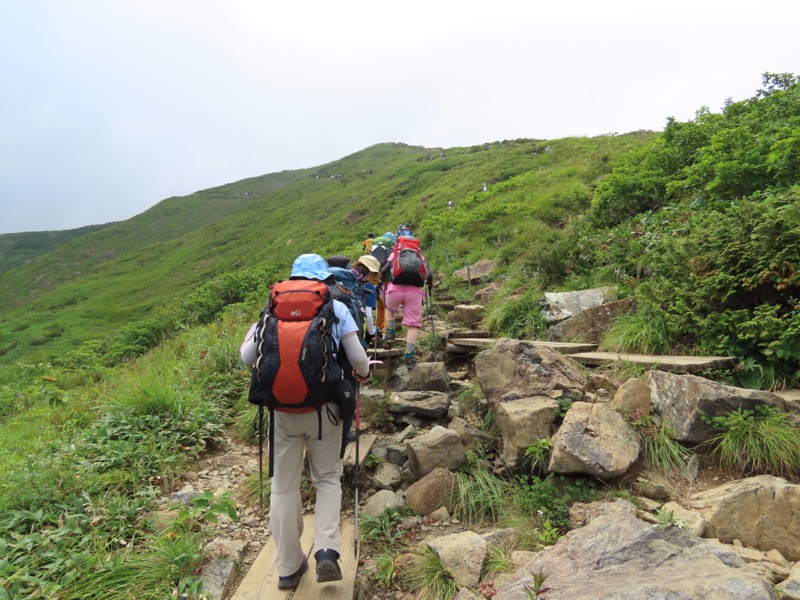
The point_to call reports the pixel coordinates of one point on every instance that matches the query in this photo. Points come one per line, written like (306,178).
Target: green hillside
(119,347)
(99,282)
(698,222)
(18,248)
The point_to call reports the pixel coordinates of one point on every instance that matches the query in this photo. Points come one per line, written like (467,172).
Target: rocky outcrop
(684,401)
(438,448)
(475,273)
(762,512)
(523,384)
(619,557)
(589,325)
(560,306)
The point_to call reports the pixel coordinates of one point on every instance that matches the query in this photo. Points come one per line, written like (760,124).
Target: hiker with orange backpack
(297,375)
(409,275)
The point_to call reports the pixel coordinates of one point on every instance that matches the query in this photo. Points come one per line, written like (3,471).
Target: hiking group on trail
(308,353)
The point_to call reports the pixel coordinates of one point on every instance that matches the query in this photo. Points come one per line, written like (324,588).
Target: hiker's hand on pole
(361,378)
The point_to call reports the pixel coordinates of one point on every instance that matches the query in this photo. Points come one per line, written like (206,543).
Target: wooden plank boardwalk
(461,345)
(261,580)
(586,354)
(683,364)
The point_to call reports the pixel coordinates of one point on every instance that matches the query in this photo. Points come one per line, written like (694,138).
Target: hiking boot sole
(328,570)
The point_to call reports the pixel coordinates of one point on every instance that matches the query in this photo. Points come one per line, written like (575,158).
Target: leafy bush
(549,498)
(537,455)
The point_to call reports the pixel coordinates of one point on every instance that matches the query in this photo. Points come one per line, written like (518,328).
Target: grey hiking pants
(292,433)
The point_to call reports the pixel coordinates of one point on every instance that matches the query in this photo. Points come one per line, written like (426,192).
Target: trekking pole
(358,435)
(433,327)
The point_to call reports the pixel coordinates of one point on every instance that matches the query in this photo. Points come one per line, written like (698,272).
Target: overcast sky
(109,106)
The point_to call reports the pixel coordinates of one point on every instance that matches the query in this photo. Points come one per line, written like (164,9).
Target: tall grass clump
(154,389)
(761,440)
(516,316)
(478,495)
(660,450)
(645,331)
(429,577)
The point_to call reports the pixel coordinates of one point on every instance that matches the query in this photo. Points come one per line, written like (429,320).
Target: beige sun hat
(370,262)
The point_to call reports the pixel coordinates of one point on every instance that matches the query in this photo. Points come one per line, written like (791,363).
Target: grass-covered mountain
(699,222)
(120,345)
(18,248)
(99,282)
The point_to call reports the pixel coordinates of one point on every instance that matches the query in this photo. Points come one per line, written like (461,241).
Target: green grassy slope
(19,248)
(101,281)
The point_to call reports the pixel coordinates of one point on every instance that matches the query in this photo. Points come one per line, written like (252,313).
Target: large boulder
(522,423)
(432,405)
(462,555)
(477,272)
(633,398)
(596,440)
(762,512)
(424,377)
(439,447)
(434,490)
(589,325)
(513,369)
(619,557)
(560,306)
(523,383)
(684,401)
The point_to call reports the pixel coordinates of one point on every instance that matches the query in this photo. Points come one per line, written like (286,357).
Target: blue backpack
(353,295)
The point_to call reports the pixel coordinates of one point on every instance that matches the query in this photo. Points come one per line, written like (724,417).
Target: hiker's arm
(356,354)
(370,321)
(248,351)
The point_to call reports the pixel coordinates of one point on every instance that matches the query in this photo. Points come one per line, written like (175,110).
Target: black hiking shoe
(290,582)
(327,566)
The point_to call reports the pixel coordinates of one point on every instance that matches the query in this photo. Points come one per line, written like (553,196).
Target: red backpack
(297,369)
(296,364)
(409,266)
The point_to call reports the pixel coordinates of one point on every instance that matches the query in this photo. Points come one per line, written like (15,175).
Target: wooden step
(789,395)
(682,364)
(464,345)
(261,581)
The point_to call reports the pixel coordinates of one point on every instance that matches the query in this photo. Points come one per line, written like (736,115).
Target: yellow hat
(370,262)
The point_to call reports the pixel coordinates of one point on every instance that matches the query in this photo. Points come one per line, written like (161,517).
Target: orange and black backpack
(298,368)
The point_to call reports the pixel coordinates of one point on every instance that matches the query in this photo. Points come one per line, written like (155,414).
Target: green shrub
(537,455)
(550,498)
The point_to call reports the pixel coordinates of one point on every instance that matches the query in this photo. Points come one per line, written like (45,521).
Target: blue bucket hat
(310,266)
(391,236)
